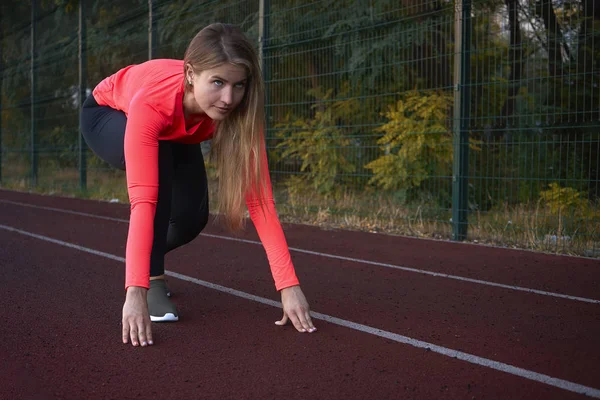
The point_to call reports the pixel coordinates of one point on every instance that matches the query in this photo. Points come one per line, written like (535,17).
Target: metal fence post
(263,37)
(152,38)
(82,92)
(34,155)
(462,70)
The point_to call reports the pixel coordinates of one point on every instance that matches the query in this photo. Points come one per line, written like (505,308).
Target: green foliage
(566,201)
(180,21)
(416,144)
(319,143)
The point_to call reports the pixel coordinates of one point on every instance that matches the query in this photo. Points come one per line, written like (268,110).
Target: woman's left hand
(296,309)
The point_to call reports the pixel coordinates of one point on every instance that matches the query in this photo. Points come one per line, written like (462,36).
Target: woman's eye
(218,83)
(240,85)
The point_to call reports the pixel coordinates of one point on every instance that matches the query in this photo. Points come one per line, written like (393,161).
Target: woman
(152,118)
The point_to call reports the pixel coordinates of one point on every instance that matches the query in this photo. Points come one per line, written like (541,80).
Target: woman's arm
(269,230)
(294,303)
(141,163)
(141,158)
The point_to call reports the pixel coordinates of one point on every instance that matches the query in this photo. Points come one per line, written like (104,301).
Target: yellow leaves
(416,141)
(70,6)
(563,201)
(319,143)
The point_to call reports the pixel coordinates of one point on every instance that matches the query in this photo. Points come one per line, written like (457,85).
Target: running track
(397,318)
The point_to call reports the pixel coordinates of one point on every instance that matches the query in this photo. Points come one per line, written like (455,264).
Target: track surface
(493,324)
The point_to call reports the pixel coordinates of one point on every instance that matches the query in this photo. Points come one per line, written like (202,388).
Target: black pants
(182,208)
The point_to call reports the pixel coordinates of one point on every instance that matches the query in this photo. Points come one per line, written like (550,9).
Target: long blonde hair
(237,143)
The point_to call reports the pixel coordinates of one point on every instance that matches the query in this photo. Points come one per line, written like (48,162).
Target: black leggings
(182,208)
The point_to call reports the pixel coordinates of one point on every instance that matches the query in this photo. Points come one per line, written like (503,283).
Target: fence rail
(471,120)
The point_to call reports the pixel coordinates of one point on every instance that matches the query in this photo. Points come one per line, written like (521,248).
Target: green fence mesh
(413,117)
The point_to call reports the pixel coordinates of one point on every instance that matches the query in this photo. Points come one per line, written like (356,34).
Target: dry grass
(101,184)
(526,226)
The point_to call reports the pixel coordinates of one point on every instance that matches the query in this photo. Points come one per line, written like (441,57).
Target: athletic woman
(149,119)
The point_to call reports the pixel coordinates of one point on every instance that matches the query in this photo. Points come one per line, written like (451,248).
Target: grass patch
(525,226)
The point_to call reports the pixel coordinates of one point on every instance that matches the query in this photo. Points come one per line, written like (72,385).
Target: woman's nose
(226,95)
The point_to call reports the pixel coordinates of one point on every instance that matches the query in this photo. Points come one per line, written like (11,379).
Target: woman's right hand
(136,320)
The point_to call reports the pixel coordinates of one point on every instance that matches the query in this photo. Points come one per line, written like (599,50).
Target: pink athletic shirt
(151,95)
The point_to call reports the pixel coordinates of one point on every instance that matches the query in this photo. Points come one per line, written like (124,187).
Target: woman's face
(218,91)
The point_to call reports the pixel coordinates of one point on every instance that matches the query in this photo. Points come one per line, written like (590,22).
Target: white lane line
(62,210)
(356,260)
(473,359)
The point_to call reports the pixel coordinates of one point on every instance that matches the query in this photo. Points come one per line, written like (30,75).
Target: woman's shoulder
(161,83)
(157,69)
(164,63)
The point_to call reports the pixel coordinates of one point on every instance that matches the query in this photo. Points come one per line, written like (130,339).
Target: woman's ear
(189,74)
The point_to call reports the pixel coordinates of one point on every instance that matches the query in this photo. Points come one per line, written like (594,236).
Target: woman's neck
(191,110)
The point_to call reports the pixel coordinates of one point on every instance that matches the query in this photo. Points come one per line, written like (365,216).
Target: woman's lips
(223,110)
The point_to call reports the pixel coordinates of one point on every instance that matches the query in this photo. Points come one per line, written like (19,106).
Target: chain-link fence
(467,120)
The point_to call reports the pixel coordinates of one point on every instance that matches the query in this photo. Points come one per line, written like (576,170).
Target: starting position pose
(149,119)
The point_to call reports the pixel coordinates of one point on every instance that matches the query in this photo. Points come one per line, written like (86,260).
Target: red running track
(493,323)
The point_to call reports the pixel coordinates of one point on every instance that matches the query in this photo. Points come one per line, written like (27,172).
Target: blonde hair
(237,143)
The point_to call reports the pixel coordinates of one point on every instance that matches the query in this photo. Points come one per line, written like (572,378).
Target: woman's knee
(186,228)
(201,221)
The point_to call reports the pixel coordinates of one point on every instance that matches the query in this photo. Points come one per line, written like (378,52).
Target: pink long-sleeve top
(151,95)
